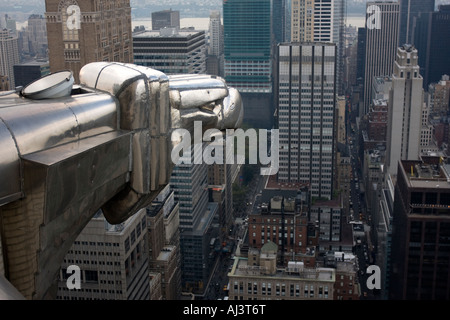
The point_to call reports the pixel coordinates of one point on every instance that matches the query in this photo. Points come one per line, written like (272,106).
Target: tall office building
(409,10)
(439,96)
(9,55)
(280,20)
(321,21)
(215,34)
(421,231)
(406,99)
(248,57)
(431,36)
(164,243)
(36,36)
(381,45)
(302,21)
(215,60)
(27,72)
(306,115)
(189,181)
(220,186)
(248,40)
(171,51)
(113,261)
(165,19)
(361,55)
(86,31)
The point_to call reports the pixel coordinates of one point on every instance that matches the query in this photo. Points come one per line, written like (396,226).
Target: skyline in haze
(21,9)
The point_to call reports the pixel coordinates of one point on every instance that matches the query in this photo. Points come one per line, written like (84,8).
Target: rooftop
(167,33)
(272,183)
(298,271)
(166,252)
(431,172)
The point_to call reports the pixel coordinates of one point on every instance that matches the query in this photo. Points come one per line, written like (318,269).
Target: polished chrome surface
(10,186)
(106,146)
(35,125)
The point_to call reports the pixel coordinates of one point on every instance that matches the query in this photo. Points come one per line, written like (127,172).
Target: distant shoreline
(202,23)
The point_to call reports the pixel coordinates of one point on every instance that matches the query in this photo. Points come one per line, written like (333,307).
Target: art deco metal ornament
(105,146)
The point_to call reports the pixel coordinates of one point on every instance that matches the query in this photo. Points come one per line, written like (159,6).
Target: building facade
(381,45)
(328,214)
(113,260)
(248,45)
(421,231)
(27,72)
(165,19)
(406,101)
(262,280)
(189,182)
(84,31)
(409,11)
(320,21)
(171,51)
(164,243)
(215,61)
(306,88)
(9,56)
(283,221)
(280,21)
(220,188)
(36,36)
(435,45)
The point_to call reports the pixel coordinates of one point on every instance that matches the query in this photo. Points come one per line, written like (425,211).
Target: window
(91,276)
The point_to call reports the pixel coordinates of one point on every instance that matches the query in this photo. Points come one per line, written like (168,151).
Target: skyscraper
(248,40)
(165,19)
(302,21)
(113,261)
(381,44)
(164,243)
(248,57)
(404,109)
(36,34)
(431,36)
(409,10)
(361,55)
(306,88)
(29,71)
(279,20)
(87,31)
(171,51)
(214,62)
(215,34)
(9,55)
(321,21)
(189,181)
(421,231)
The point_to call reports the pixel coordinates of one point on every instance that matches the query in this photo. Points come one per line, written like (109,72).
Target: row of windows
(94,253)
(307,291)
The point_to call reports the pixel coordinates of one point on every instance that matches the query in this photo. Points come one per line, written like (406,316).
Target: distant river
(203,23)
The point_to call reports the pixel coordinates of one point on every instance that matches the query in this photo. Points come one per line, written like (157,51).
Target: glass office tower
(247,36)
